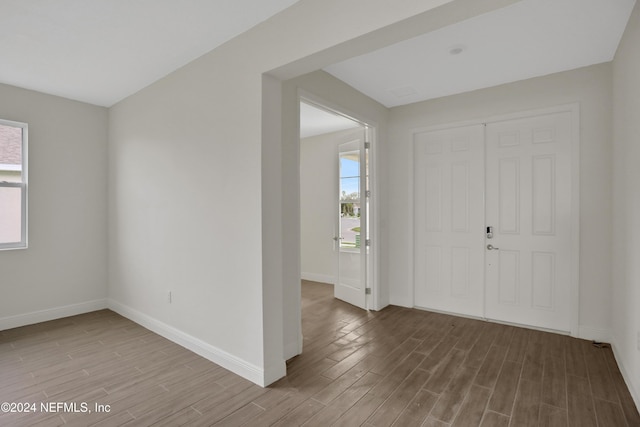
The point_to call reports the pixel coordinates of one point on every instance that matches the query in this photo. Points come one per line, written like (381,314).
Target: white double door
(492,220)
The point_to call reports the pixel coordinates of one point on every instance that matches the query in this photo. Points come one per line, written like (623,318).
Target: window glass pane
(349,227)
(349,164)
(12,187)
(10,153)
(350,199)
(10,214)
(350,189)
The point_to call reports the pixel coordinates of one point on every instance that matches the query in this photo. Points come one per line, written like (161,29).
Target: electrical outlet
(169,297)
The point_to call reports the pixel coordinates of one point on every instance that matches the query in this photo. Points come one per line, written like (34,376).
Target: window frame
(23,185)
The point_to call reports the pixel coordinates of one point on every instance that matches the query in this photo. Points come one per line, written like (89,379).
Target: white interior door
(449,220)
(351,239)
(528,206)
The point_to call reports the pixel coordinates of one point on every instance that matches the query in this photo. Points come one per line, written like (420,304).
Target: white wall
(194,200)
(318,203)
(591,88)
(626,205)
(63,271)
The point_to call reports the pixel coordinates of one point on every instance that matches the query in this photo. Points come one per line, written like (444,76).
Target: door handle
(491,247)
(338,238)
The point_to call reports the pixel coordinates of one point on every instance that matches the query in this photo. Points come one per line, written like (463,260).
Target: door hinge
(367,291)
(367,193)
(367,242)
(367,145)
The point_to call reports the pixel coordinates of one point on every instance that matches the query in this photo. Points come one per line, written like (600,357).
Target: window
(13,185)
(350,199)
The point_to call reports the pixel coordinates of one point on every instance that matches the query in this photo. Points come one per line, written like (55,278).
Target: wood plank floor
(398,367)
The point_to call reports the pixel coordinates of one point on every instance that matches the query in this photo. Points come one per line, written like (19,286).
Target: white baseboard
(273,373)
(291,349)
(401,302)
(594,334)
(634,387)
(18,320)
(220,357)
(315,277)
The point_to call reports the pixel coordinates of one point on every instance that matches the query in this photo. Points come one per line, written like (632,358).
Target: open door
(352,238)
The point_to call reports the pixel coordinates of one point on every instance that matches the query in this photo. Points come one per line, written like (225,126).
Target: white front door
(352,214)
(514,176)
(528,206)
(449,220)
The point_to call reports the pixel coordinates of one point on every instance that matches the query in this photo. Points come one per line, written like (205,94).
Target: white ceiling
(315,121)
(101,51)
(527,39)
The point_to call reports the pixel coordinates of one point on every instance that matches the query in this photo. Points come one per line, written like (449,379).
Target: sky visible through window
(349,174)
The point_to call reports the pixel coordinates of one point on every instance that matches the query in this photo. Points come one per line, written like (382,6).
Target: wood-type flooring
(398,366)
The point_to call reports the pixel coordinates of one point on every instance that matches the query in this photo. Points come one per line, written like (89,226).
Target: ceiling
(316,121)
(527,39)
(101,51)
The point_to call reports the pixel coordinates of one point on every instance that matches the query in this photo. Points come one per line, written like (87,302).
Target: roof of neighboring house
(10,145)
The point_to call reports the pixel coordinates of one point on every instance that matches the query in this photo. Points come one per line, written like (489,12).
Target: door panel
(351,250)
(528,204)
(449,220)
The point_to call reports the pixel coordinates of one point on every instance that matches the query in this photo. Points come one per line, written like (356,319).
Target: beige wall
(591,88)
(626,205)
(63,271)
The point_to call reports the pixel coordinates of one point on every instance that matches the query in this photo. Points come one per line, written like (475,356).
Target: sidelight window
(13,185)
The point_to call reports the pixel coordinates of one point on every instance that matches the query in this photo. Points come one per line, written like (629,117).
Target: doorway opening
(336,202)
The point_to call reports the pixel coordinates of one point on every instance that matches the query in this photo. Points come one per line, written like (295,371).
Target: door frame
(574,110)
(373,265)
